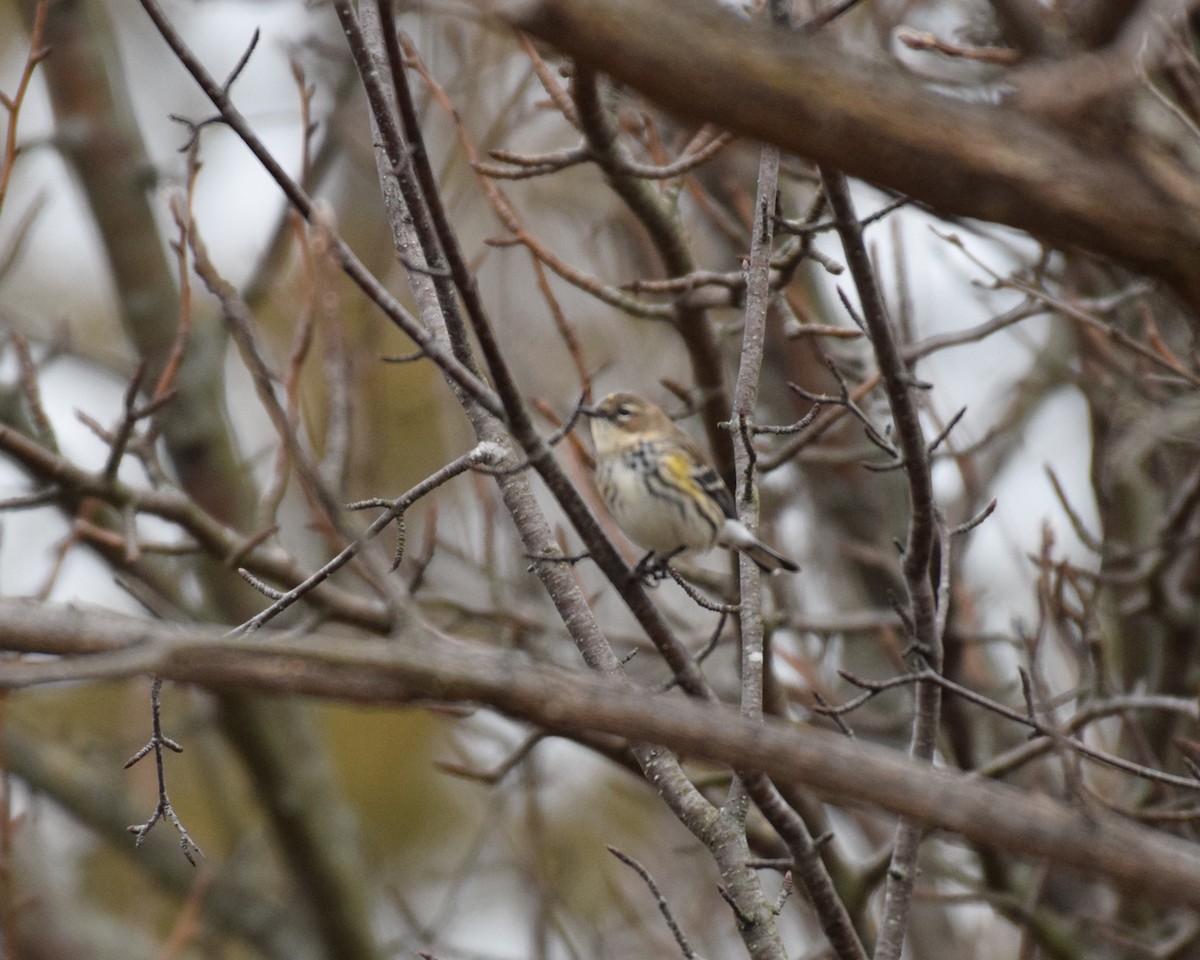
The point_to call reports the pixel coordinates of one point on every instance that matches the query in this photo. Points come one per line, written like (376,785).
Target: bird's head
(620,416)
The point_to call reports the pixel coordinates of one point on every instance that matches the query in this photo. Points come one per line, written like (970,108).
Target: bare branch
(663,907)
(431,665)
(820,102)
(483,453)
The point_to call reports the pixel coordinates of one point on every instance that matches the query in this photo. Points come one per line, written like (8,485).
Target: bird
(661,489)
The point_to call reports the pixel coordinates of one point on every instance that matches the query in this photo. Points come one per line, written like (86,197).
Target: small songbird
(661,489)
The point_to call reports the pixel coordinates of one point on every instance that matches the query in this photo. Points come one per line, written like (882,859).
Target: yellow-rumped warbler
(661,489)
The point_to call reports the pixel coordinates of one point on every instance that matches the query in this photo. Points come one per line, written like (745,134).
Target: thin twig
(663,907)
(1028,718)
(163,809)
(454,369)
(697,596)
(483,453)
(13,103)
(195,126)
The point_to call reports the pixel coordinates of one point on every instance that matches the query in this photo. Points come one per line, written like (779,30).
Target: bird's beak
(590,411)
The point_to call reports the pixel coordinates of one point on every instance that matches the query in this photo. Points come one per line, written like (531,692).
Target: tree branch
(979,159)
(428,666)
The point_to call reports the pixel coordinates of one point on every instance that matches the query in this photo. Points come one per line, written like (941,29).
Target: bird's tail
(735,534)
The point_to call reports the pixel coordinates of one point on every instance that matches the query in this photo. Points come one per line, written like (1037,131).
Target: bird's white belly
(653,522)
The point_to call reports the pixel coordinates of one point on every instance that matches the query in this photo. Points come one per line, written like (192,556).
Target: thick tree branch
(431,667)
(877,123)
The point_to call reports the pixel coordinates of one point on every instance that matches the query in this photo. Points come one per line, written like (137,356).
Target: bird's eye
(624,412)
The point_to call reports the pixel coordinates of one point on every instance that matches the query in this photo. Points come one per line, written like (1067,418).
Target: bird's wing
(704,475)
(712,484)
